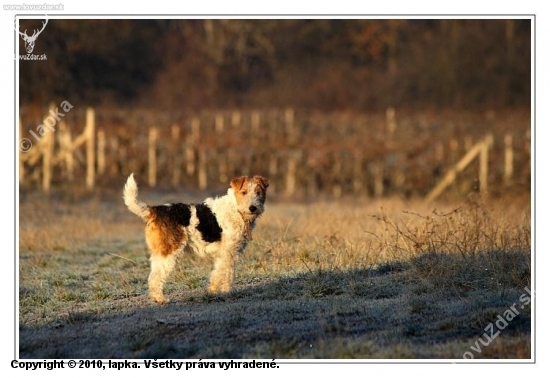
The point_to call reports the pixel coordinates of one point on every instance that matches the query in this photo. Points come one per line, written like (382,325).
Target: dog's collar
(247,227)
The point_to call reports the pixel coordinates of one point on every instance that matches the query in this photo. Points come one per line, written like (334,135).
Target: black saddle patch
(208,224)
(176,214)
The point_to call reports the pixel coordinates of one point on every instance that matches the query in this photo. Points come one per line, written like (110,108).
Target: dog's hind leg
(221,277)
(161,267)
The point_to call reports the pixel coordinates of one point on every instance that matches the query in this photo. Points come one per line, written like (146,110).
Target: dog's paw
(212,290)
(160,299)
(223,289)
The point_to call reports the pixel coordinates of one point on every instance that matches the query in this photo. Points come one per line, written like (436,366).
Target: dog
(220,227)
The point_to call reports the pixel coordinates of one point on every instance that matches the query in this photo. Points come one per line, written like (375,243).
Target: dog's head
(250,194)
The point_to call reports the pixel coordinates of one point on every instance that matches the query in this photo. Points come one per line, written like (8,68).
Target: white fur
(130,199)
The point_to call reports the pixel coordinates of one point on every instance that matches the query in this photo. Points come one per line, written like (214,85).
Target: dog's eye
(243,192)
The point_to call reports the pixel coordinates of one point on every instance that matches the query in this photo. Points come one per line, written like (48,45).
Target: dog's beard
(250,217)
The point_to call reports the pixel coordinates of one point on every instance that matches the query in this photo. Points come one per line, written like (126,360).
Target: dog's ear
(262,181)
(237,183)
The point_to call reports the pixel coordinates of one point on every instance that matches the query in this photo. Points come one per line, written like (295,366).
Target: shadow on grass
(434,306)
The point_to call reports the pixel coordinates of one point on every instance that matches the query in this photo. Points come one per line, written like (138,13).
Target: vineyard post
(292,161)
(222,158)
(203,177)
(47,158)
(90,148)
(484,164)
(191,140)
(152,156)
(508,160)
(176,169)
(391,125)
(101,151)
(67,148)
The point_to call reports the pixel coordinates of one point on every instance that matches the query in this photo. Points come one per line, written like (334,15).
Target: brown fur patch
(261,181)
(238,184)
(261,185)
(163,238)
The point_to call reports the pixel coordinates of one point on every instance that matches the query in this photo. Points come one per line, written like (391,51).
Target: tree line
(312,63)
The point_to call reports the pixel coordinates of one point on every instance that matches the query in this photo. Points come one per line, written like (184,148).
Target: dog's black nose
(252,209)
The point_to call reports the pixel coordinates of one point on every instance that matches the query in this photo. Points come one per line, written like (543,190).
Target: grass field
(349,279)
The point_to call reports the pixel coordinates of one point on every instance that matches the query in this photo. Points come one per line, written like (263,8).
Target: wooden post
(290,127)
(219,124)
(203,183)
(67,148)
(101,151)
(293,160)
(391,126)
(195,129)
(451,174)
(479,149)
(222,157)
(484,164)
(47,155)
(90,148)
(152,154)
(176,172)
(189,158)
(508,160)
(191,140)
(235,118)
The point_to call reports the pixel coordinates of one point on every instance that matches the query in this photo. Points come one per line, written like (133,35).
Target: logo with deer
(30,40)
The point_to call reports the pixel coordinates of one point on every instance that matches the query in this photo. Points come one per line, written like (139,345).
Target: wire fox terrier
(220,227)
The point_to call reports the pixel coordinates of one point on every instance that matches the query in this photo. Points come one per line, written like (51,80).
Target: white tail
(130,199)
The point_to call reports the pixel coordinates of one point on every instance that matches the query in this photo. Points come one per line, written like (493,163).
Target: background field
(345,279)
